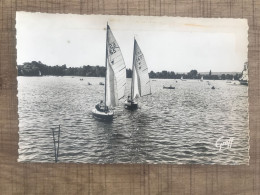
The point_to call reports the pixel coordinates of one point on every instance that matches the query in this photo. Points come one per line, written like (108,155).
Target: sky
(168,43)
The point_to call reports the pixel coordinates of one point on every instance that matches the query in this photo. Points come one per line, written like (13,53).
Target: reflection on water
(172,126)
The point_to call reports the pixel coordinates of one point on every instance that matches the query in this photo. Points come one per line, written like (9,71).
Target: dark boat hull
(131,105)
(103,115)
(169,87)
(243,82)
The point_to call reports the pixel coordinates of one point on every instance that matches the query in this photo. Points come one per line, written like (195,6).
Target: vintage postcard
(132,89)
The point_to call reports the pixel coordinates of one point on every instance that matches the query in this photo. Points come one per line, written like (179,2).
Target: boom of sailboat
(115,79)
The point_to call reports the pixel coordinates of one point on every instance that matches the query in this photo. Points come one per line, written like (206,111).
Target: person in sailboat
(101,107)
(98,106)
(129,98)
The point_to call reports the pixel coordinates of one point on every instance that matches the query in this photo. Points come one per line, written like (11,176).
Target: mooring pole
(58,144)
(55,154)
(56,149)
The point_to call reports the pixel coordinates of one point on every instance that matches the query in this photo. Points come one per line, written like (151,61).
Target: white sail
(116,71)
(141,82)
(201,78)
(135,90)
(245,73)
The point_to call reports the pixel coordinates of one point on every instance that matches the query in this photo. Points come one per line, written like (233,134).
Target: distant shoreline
(39,69)
(127,78)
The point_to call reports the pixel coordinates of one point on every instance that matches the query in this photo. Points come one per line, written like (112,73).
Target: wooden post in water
(54,142)
(58,144)
(56,149)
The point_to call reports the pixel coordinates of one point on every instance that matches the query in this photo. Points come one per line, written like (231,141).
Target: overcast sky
(168,43)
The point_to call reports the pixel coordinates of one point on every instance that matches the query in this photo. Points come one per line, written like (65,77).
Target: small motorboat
(81,79)
(89,83)
(212,87)
(171,87)
(101,83)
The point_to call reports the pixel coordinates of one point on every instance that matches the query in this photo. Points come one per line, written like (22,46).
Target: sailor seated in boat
(100,106)
(129,99)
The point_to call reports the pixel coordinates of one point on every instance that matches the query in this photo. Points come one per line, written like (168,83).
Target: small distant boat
(89,83)
(201,79)
(140,85)
(182,78)
(170,87)
(81,79)
(115,79)
(244,78)
(101,83)
(212,87)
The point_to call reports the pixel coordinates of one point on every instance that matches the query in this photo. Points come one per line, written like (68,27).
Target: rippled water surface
(172,126)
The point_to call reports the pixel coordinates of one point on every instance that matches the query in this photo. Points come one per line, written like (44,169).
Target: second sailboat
(140,85)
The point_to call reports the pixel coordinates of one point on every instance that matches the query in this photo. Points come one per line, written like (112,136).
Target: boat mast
(132,83)
(106,67)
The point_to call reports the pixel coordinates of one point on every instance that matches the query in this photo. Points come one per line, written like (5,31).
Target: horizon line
(179,72)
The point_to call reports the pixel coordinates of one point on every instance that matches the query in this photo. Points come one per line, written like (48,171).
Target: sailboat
(115,79)
(244,78)
(140,85)
(182,78)
(201,79)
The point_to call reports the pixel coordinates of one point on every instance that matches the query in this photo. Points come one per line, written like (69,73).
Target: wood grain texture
(47,178)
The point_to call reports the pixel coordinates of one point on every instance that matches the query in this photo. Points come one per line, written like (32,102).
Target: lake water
(177,126)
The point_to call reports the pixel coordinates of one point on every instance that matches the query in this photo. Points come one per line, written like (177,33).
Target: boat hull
(169,87)
(103,115)
(243,82)
(131,105)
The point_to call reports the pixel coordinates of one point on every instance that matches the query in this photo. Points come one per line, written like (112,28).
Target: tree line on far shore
(39,69)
